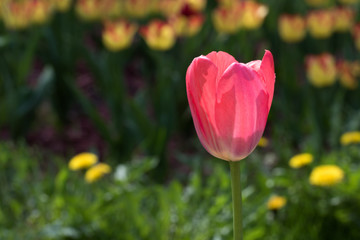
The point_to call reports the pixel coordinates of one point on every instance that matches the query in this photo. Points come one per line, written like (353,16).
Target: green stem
(236,199)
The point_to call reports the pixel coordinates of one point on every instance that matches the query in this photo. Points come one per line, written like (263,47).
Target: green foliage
(51,202)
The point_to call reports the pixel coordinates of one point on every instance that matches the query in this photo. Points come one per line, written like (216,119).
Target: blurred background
(97,139)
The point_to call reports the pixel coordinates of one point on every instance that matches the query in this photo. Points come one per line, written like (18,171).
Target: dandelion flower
(326,175)
(264,142)
(276,202)
(301,160)
(82,160)
(96,172)
(350,137)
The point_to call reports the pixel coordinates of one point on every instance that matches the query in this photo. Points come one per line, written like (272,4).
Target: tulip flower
(321,23)
(158,35)
(40,11)
(88,9)
(227,20)
(62,5)
(139,8)
(118,35)
(346,74)
(170,8)
(355,68)
(292,28)
(196,5)
(253,14)
(356,34)
(227,3)
(16,15)
(321,69)
(187,26)
(344,19)
(110,9)
(229,103)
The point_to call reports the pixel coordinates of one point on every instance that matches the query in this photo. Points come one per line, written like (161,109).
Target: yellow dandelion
(301,160)
(82,160)
(264,142)
(276,202)
(326,175)
(96,172)
(350,137)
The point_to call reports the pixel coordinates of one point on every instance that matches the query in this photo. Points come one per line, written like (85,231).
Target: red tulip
(230,102)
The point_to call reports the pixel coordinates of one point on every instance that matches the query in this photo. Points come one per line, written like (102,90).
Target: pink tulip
(230,102)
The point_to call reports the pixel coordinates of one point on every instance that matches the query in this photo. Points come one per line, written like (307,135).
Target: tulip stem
(236,199)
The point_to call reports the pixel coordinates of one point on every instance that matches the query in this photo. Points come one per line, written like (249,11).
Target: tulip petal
(241,111)
(255,65)
(267,69)
(201,92)
(222,60)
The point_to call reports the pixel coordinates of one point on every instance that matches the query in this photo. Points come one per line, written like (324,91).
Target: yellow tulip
(196,5)
(16,14)
(158,35)
(227,3)
(346,75)
(139,8)
(344,19)
(253,14)
(88,9)
(292,28)
(40,11)
(227,20)
(170,8)
(118,35)
(187,26)
(62,5)
(356,34)
(320,23)
(321,69)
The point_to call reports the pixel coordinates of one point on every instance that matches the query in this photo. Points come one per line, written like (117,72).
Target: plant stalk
(236,199)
